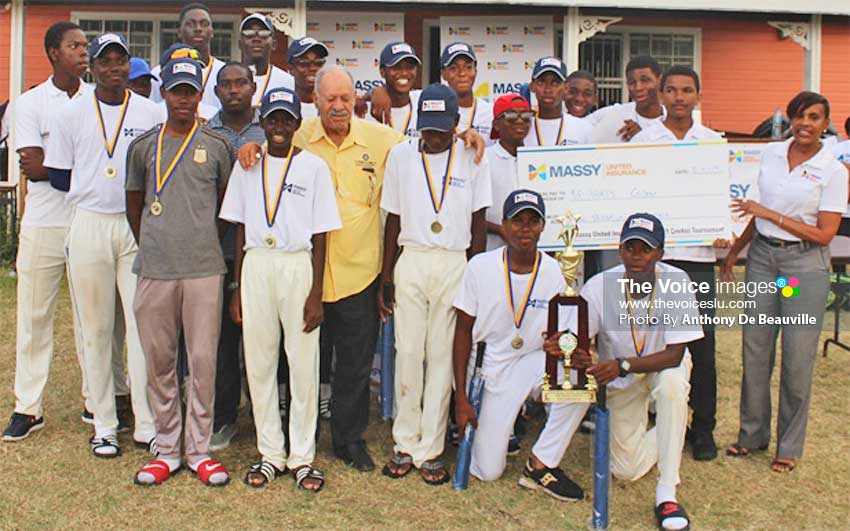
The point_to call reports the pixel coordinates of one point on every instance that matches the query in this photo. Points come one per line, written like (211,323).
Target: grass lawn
(51,480)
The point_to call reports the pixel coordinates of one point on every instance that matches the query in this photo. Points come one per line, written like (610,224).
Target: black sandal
(668,509)
(432,467)
(399,460)
(264,471)
(105,447)
(308,472)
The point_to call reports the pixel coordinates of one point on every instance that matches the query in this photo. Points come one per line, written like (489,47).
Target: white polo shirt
(481,121)
(204,111)
(608,317)
(575,131)
(278,79)
(46,205)
(841,151)
(406,194)
(307,205)
(483,295)
(608,120)
(209,97)
(503,181)
(77,144)
(657,132)
(308,110)
(404,118)
(819,184)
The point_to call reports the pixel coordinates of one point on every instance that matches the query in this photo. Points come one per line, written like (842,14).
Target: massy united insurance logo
(498,65)
(347,26)
(498,30)
(513,48)
(385,27)
(789,287)
(347,62)
(534,30)
(543,172)
(460,31)
(362,45)
(744,155)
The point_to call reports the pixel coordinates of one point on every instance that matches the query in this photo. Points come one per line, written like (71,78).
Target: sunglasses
(262,33)
(513,116)
(307,63)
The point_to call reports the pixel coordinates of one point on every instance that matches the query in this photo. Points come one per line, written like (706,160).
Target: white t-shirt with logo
(608,316)
(308,110)
(483,295)
(279,79)
(32,113)
(406,194)
(841,151)
(819,184)
(481,121)
(575,132)
(209,98)
(657,132)
(404,118)
(608,120)
(504,180)
(77,144)
(307,205)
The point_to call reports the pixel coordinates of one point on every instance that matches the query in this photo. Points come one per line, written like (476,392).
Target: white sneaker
(221,439)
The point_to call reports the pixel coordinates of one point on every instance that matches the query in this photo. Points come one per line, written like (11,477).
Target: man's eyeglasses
(307,63)
(513,116)
(261,33)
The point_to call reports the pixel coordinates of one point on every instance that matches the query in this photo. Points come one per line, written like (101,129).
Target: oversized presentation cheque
(684,184)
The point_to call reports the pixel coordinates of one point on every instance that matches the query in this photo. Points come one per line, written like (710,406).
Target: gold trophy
(569,260)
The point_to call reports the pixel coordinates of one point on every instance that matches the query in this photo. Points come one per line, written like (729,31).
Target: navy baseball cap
(140,68)
(549,64)
(523,199)
(454,50)
(395,52)
(186,52)
(280,99)
(100,43)
(644,227)
(299,47)
(437,108)
(265,20)
(182,72)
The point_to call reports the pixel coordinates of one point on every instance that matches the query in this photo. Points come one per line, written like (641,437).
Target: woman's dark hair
(582,74)
(803,101)
(55,33)
(680,70)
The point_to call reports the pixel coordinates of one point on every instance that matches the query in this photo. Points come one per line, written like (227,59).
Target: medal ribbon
(207,71)
(506,261)
(447,178)
(539,136)
(162,179)
(271,210)
(110,146)
(406,120)
(265,85)
(639,342)
(471,115)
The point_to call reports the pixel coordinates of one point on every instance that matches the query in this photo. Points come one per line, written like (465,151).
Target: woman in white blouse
(803,191)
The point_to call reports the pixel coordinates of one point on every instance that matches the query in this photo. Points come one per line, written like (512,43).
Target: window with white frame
(151,34)
(606,55)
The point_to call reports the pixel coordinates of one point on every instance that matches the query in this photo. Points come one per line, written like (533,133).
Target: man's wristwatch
(624,365)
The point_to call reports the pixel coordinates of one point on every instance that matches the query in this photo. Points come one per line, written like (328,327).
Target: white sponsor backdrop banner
(355,40)
(506,47)
(744,162)
(685,184)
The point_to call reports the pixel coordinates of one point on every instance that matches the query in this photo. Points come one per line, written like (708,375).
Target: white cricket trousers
(426,282)
(506,386)
(634,450)
(101,250)
(274,287)
(40,266)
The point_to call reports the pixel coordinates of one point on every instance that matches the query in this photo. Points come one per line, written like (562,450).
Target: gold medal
(517,342)
(271,203)
(162,179)
(437,202)
(269,241)
(110,172)
(436,227)
(156,207)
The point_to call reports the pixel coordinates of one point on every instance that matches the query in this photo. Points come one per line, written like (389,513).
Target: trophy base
(559,396)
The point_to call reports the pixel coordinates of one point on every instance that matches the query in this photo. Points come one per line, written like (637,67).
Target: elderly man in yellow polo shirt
(356,152)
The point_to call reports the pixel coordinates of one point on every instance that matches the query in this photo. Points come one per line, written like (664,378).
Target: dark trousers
(228,376)
(352,327)
(703,397)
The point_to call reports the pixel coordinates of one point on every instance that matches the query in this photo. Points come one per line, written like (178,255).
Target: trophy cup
(569,259)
